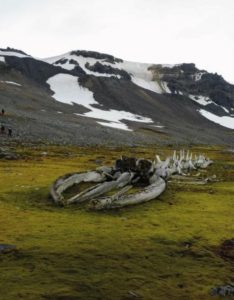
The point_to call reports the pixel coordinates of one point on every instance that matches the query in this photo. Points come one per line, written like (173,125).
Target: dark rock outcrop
(13,50)
(103,69)
(36,70)
(106,57)
(182,78)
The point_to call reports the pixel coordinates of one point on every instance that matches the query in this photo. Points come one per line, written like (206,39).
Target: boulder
(6,249)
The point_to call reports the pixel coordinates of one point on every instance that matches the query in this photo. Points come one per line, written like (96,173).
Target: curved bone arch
(127,173)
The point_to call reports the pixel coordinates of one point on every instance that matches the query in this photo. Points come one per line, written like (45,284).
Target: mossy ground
(164,249)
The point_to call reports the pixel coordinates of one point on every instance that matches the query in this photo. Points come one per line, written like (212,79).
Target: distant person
(3,111)
(9,132)
(2,129)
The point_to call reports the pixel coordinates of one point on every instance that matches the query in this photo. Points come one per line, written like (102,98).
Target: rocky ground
(35,116)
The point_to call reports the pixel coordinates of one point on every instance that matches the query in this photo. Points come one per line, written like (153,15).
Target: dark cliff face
(220,91)
(36,70)
(186,78)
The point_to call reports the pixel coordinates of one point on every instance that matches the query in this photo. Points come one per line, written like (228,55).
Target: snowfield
(223,121)
(67,90)
(140,75)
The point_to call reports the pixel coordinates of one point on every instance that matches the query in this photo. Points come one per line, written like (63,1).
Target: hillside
(85,97)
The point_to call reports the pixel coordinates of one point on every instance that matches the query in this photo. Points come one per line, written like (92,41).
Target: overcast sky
(154,31)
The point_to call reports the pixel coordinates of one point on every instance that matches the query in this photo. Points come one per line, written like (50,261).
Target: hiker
(9,132)
(3,112)
(2,129)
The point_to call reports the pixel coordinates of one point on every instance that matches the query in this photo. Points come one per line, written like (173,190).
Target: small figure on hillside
(2,129)
(9,132)
(3,112)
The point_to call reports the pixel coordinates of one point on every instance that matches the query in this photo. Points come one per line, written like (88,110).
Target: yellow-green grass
(164,249)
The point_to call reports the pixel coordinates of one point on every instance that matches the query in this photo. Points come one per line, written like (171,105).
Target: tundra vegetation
(168,248)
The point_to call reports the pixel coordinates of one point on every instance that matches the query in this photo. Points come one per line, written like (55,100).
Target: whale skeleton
(126,174)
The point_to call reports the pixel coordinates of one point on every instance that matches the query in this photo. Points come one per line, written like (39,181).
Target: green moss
(164,249)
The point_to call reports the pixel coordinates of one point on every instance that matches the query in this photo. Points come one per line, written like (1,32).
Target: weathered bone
(68,180)
(150,192)
(101,189)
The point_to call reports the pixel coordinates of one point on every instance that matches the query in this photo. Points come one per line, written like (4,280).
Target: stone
(226,290)
(6,248)
(226,249)
(5,153)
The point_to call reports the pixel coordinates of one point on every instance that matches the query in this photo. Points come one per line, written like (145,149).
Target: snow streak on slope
(11,82)
(67,90)
(140,75)
(223,121)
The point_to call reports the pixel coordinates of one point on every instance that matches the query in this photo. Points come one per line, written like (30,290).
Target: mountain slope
(88,97)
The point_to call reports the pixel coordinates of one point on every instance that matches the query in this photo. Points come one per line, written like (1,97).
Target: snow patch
(202,100)
(158,126)
(170,65)
(223,121)
(197,76)
(11,82)
(148,85)
(67,90)
(115,125)
(165,87)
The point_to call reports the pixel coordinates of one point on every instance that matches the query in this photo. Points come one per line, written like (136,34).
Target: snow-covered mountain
(108,99)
